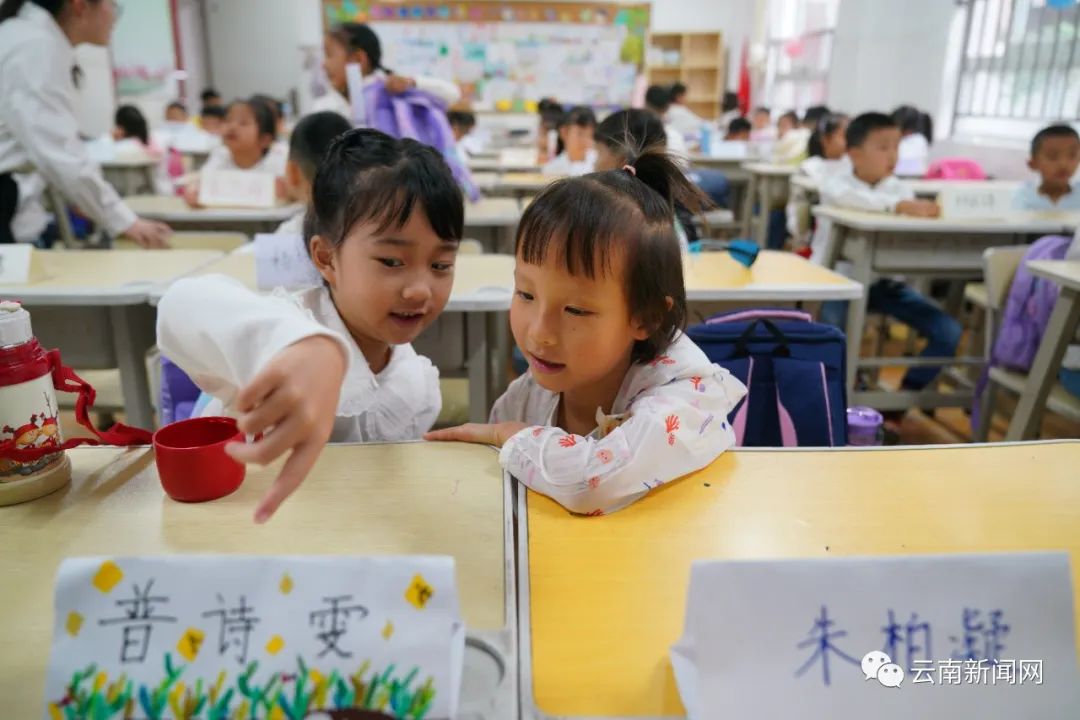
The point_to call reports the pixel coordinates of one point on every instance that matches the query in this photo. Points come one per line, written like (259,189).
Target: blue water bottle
(706,139)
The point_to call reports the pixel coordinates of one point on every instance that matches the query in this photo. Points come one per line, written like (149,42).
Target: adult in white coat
(38,80)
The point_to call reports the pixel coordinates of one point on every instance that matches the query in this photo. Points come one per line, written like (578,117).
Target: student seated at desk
(248,139)
(658,101)
(873,141)
(738,130)
(575,153)
(212,119)
(917,132)
(547,132)
(687,122)
(357,43)
(1055,155)
(637,130)
(129,126)
(792,140)
(176,112)
(617,400)
(332,363)
(827,150)
(308,146)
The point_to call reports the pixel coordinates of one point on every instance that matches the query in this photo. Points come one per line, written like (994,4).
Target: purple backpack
(416,114)
(1028,307)
(1027,311)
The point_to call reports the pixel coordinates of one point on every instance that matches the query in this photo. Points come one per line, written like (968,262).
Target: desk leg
(856,319)
(748,206)
(478,340)
(761,230)
(133,335)
(499,333)
(1059,333)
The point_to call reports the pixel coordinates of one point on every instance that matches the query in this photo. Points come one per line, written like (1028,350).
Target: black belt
(9,205)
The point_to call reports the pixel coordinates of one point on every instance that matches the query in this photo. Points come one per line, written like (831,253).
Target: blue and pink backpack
(795,370)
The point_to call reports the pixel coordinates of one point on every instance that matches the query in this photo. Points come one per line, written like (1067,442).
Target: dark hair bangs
(582,222)
(386,199)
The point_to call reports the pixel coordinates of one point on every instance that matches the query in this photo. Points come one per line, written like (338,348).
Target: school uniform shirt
(676,147)
(31,218)
(844,190)
(1028,197)
(333,101)
(562,165)
(914,155)
(818,169)
(37,117)
(220,158)
(669,419)
(222,335)
(684,120)
(292,226)
(791,149)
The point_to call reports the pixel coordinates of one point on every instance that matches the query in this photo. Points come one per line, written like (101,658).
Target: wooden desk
(1060,333)
(175,212)
(885,244)
(92,305)
(604,599)
(483,288)
(519,184)
(493,221)
(130,175)
(768,189)
(504,165)
(922,188)
(775,277)
(415,498)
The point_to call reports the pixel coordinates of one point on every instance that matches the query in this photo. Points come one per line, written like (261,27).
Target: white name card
(300,634)
(19,264)
(282,261)
(885,638)
(354,80)
(237,188)
(519,157)
(971,201)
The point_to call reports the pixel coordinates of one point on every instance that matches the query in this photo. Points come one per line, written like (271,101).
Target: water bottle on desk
(706,138)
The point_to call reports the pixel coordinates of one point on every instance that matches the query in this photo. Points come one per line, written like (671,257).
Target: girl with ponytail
(617,400)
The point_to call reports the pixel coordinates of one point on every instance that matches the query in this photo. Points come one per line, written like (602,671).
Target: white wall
(887,53)
(254,45)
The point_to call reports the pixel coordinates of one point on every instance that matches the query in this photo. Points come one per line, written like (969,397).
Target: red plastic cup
(191,459)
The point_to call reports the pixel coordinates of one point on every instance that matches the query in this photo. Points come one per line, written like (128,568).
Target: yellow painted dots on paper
(286,584)
(276,713)
(108,575)
(419,592)
(54,712)
(190,642)
(274,646)
(73,624)
(388,630)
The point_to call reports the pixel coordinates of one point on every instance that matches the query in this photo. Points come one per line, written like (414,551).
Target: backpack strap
(747,315)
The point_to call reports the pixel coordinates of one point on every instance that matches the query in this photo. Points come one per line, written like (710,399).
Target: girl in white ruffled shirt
(332,362)
(617,400)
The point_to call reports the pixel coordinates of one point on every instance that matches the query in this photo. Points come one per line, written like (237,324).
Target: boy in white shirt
(1055,155)
(310,140)
(681,117)
(873,141)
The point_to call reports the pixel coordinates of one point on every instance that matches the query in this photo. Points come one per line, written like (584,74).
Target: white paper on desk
(282,261)
(751,627)
(19,264)
(518,157)
(299,630)
(971,201)
(237,188)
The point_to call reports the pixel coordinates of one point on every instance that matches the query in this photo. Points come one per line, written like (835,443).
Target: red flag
(744,80)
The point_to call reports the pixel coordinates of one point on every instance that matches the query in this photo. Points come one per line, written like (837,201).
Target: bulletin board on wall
(508,55)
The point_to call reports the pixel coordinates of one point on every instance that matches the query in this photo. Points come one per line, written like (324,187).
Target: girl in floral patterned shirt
(617,400)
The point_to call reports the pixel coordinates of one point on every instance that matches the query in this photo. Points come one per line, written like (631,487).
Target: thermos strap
(65,380)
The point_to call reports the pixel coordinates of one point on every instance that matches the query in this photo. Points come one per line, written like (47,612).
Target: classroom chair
(999,268)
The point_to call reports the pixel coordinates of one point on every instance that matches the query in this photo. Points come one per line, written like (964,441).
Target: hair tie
(630,169)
